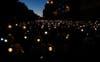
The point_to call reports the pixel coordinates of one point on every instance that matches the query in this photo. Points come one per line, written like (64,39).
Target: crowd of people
(47,41)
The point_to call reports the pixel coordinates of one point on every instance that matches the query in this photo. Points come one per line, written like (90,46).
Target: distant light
(67,36)
(41,57)
(2,39)
(47,2)
(10,50)
(51,2)
(45,32)
(68,8)
(50,48)
(22,51)
(95,28)
(42,26)
(99,24)
(38,40)
(10,26)
(25,37)
(24,27)
(80,26)
(55,27)
(28,31)
(5,40)
(83,25)
(87,34)
(82,30)
(9,34)
(16,24)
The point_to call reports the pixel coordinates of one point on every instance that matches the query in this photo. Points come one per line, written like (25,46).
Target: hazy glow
(50,48)
(2,39)
(16,24)
(5,40)
(38,40)
(24,27)
(10,50)
(45,32)
(25,37)
(82,30)
(9,26)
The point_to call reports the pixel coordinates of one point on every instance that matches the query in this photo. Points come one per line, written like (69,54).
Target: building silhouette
(61,9)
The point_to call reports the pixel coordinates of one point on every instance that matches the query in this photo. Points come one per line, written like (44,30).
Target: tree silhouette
(13,11)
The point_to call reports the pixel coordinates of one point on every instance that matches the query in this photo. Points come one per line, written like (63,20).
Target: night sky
(36,5)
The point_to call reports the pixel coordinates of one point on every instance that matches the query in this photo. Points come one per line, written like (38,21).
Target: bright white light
(38,40)
(10,50)
(25,37)
(9,26)
(50,48)
(82,30)
(24,27)
(2,39)
(46,32)
(5,40)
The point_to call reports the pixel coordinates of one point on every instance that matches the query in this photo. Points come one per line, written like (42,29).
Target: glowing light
(80,26)
(10,50)
(25,37)
(24,27)
(83,25)
(68,8)
(10,26)
(5,40)
(67,36)
(41,57)
(95,28)
(51,2)
(42,26)
(38,40)
(16,24)
(54,27)
(45,32)
(28,31)
(50,48)
(47,2)
(82,30)
(2,39)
